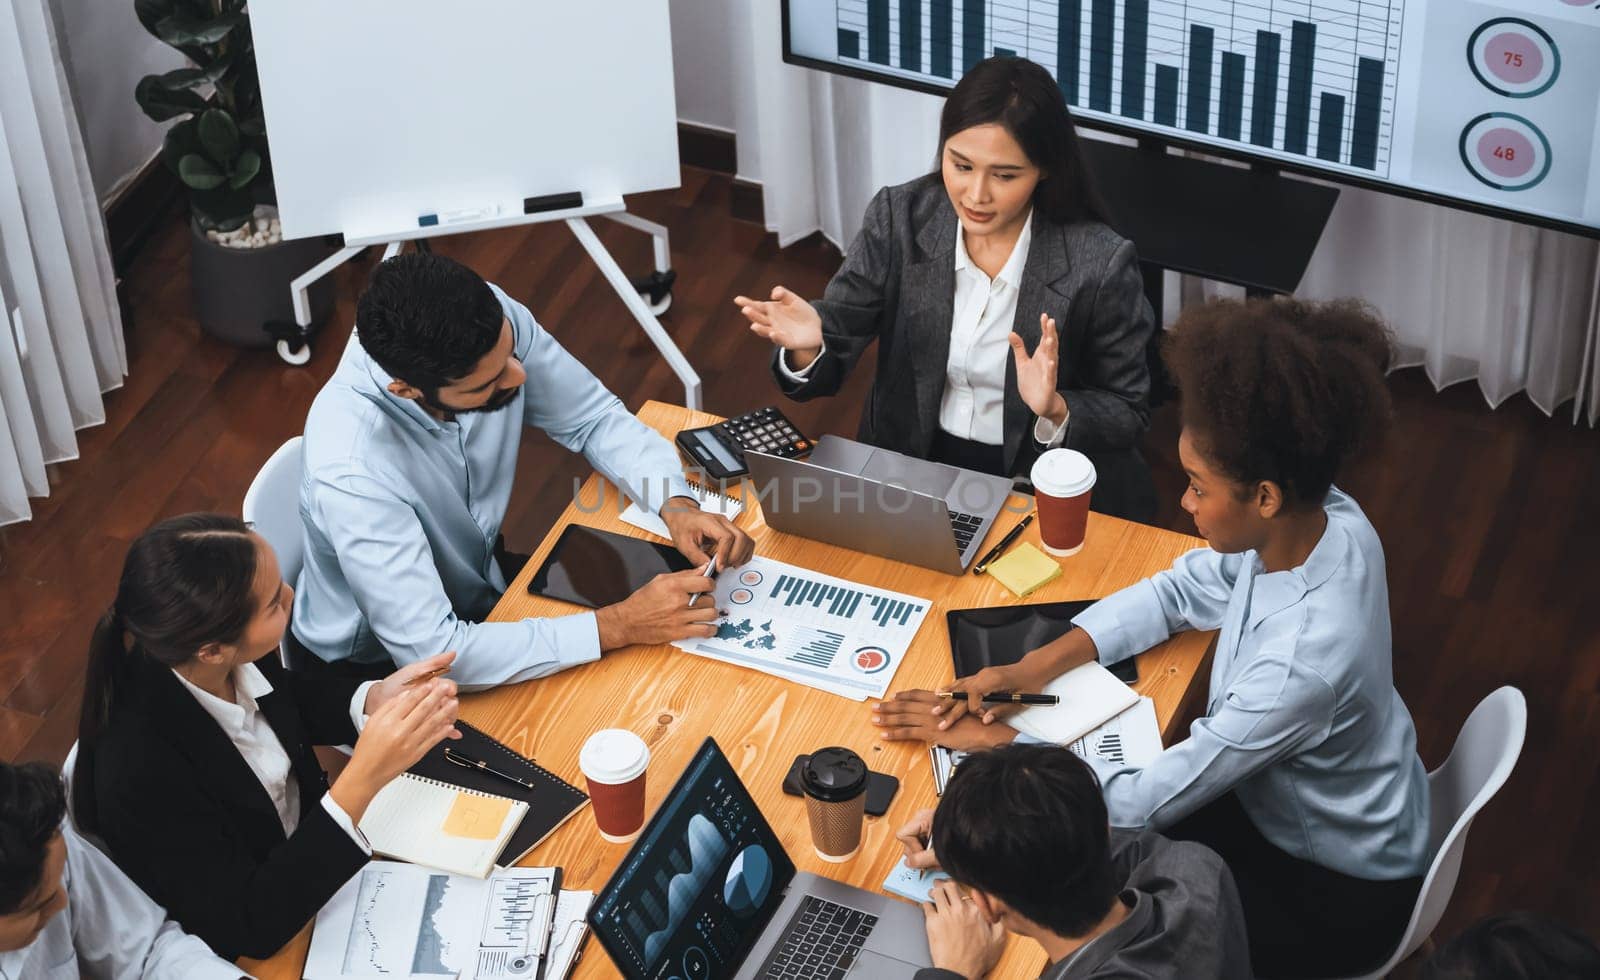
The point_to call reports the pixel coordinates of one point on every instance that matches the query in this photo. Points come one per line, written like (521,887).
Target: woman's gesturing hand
(788,321)
(1036,374)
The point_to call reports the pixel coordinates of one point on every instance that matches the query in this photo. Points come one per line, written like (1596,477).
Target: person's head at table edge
(435,327)
(32,852)
(200,594)
(1024,829)
(1007,144)
(1277,395)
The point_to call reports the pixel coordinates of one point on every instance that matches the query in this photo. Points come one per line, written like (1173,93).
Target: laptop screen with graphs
(693,894)
(1495,105)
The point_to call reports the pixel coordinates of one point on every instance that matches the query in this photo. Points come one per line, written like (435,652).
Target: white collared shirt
(247,728)
(973,404)
(110,929)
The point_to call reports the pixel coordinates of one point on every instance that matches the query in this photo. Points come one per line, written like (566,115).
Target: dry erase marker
(710,572)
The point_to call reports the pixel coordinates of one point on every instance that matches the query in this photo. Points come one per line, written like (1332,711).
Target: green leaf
(253,127)
(161,100)
(219,134)
(245,170)
(152,12)
(184,30)
(199,173)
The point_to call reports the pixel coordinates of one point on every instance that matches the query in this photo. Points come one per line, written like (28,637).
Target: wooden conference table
(675,699)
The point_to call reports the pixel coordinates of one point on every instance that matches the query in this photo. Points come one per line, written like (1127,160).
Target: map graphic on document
(826,632)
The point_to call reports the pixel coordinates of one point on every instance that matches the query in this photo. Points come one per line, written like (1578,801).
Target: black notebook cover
(549,806)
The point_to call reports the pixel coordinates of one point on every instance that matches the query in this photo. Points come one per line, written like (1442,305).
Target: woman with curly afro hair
(1303,773)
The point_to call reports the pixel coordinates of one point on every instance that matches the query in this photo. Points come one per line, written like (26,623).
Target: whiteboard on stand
(381,111)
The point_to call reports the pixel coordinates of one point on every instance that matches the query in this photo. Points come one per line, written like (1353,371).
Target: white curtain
(62,339)
(1470,297)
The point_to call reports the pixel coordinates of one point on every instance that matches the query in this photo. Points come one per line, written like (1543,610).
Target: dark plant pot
(237,291)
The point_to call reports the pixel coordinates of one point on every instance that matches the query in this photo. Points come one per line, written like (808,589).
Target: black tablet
(1001,635)
(598,568)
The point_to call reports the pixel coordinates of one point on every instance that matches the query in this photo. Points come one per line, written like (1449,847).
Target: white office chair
(1479,764)
(272,508)
(67,768)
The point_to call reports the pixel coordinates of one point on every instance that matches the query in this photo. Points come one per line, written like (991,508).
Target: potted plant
(240,267)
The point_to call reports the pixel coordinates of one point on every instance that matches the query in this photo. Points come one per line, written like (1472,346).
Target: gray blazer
(897,286)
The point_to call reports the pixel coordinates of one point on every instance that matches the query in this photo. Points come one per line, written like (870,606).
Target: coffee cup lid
(613,755)
(1063,473)
(834,774)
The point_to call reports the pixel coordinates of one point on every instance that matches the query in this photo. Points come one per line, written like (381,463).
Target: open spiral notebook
(466,821)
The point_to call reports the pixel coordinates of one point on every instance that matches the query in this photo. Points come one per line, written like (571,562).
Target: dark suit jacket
(897,287)
(1184,921)
(186,818)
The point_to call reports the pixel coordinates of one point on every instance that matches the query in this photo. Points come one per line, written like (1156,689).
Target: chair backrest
(1482,759)
(272,508)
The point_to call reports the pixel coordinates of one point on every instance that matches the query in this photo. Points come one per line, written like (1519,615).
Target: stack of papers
(1090,695)
(813,629)
(1131,738)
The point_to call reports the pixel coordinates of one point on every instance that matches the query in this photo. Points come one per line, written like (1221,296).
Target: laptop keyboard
(965,526)
(821,941)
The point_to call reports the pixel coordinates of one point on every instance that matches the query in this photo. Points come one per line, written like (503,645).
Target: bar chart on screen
(1492,102)
(1299,77)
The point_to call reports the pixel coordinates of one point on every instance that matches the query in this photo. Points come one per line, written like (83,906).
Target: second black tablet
(991,637)
(598,568)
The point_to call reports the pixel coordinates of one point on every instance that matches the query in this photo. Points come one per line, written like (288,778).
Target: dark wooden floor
(1490,519)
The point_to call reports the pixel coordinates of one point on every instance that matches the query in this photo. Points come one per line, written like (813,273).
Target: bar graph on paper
(825,632)
(1309,78)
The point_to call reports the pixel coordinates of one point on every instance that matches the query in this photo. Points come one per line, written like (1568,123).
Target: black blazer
(897,287)
(186,818)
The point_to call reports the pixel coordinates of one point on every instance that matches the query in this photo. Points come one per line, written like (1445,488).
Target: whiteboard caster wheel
(296,354)
(658,308)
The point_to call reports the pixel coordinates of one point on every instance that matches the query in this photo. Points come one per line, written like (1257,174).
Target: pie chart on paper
(749,881)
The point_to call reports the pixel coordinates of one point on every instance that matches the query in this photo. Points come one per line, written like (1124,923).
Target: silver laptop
(880,501)
(708,892)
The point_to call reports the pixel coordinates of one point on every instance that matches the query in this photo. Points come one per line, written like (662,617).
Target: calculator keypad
(767,431)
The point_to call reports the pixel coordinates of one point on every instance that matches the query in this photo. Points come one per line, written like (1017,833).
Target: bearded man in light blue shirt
(1303,772)
(410,452)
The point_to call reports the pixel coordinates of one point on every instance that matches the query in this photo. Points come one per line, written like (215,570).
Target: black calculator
(719,448)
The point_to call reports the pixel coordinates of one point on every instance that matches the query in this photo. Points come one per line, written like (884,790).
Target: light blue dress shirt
(1303,721)
(401,513)
(112,930)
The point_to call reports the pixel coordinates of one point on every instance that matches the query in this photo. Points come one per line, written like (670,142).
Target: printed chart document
(814,629)
(402,920)
(1132,738)
(568,933)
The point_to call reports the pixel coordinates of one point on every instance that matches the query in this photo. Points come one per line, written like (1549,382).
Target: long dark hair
(1021,96)
(187,582)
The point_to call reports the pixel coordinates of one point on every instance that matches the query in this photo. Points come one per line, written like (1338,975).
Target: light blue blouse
(1303,721)
(401,513)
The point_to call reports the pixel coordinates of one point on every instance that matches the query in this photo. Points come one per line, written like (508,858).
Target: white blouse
(247,728)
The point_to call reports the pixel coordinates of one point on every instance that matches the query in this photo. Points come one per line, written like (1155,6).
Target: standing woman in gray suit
(959,275)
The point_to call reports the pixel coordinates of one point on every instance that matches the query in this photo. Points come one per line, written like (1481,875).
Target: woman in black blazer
(958,275)
(194,748)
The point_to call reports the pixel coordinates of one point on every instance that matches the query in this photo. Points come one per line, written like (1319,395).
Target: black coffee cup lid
(834,774)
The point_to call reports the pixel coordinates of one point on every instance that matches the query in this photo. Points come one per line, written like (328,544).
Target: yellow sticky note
(1024,569)
(476,817)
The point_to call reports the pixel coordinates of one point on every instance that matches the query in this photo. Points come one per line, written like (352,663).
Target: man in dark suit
(1023,829)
